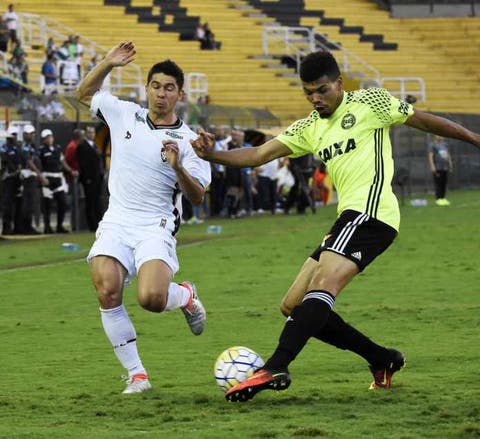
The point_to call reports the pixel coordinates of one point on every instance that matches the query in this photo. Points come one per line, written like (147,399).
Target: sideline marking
(74,261)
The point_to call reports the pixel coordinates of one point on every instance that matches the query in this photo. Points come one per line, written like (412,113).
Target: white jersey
(143,186)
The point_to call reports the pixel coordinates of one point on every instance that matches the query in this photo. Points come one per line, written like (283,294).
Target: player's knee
(108,293)
(152,300)
(286,308)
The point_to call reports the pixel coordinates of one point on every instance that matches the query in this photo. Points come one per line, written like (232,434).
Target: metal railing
(297,42)
(196,86)
(398,87)
(35,30)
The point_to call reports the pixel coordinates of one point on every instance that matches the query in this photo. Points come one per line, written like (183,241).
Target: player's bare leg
(108,277)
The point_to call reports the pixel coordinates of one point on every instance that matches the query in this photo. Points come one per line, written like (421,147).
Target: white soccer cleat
(194,311)
(137,384)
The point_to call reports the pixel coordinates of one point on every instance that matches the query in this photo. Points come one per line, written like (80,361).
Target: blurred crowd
(279,186)
(40,177)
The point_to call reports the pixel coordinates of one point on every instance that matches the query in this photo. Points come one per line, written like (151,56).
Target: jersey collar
(177,124)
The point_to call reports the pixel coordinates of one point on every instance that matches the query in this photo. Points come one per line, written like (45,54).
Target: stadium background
(425,49)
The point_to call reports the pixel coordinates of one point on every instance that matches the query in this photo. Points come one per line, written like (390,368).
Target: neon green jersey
(354,143)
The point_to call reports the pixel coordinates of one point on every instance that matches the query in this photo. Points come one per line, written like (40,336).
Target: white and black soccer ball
(235,365)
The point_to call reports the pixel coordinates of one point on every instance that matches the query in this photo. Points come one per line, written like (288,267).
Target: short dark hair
(170,68)
(318,64)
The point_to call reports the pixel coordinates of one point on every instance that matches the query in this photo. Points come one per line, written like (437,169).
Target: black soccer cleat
(382,376)
(262,379)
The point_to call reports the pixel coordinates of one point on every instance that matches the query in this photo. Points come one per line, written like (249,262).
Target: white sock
(178,296)
(121,333)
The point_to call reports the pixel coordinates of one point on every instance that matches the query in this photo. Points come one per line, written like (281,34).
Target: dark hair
(167,67)
(318,64)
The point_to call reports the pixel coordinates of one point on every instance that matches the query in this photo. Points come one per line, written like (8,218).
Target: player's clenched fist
(203,144)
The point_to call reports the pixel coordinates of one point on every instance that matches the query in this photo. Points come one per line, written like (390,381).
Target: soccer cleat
(382,377)
(262,379)
(194,311)
(137,383)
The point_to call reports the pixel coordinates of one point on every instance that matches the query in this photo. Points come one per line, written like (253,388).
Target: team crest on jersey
(174,135)
(139,118)
(163,155)
(348,121)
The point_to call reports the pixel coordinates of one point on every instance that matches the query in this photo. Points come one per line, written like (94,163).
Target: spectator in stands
(76,49)
(31,175)
(92,63)
(18,68)
(320,192)
(267,186)
(4,36)
(51,48)
(63,53)
(300,193)
(53,165)
(90,167)
(200,33)
(49,73)
(217,186)
(207,38)
(234,178)
(248,179)
(70,152)
(17,48)
(50,108)
(11,19)
(440,162)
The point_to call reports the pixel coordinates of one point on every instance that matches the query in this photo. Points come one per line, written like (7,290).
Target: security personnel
(53,165)
(30,174)
(10,169)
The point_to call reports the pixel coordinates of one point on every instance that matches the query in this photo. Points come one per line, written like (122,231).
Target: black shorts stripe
(373,200)
(347,232)
(357,237)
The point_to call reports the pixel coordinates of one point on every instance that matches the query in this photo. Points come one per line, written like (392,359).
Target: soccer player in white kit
(152,164)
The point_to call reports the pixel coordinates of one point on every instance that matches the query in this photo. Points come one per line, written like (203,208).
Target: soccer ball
(235,365)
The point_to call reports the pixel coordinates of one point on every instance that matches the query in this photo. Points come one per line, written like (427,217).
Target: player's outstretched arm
(241,157)
(118,56)
(443,127)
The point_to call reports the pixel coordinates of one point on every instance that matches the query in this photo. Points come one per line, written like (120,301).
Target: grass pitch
(60,378)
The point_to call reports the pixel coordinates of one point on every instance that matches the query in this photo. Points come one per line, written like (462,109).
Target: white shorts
(135,245)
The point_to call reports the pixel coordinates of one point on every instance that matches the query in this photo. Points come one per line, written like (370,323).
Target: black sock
(305,320)
(344,336)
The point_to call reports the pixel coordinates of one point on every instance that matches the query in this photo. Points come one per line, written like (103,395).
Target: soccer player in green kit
(349,132)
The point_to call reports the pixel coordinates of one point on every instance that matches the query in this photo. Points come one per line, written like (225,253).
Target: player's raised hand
(122,54)
(203,144)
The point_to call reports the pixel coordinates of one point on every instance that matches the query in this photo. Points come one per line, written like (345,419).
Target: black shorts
(357,237)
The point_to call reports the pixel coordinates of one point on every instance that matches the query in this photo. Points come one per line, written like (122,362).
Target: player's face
(324,94)
(162,94)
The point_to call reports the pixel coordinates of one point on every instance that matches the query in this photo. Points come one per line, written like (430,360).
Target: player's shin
(121,333)
(340,334)
(305,321)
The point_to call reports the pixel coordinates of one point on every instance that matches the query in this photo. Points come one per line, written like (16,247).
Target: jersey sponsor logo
(163,222)
(337,148)
(348,121)
(128,135)
(174,135)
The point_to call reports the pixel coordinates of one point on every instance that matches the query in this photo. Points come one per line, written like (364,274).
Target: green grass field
(60,378)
